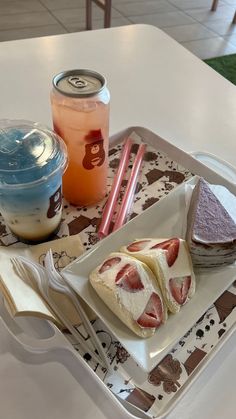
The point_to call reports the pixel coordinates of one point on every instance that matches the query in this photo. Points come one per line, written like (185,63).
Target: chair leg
(88,14)
(214,5)
(234,19)
(107,14)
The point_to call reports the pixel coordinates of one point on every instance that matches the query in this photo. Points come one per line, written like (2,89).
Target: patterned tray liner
(152,392)
(159,176)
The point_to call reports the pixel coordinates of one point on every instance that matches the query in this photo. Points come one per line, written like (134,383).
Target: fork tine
(24,272)
(19,267)
(53,279)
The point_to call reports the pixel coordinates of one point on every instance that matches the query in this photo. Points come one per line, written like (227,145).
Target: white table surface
(155,83)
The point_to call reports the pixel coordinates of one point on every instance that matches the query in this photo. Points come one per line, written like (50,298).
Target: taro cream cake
(211,230)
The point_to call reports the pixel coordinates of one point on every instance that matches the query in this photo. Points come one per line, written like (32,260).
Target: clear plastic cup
(32,161)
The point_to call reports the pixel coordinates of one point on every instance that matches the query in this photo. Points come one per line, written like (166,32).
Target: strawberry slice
(152,315)
(129,279)
(109,263)
(137,246)
(172,248)
(179,288)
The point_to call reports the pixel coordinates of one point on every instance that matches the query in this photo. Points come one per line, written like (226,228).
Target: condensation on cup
(32,161)
(80,110)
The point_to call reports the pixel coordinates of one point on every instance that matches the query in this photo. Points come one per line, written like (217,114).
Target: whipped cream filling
(180,268)
(134,302)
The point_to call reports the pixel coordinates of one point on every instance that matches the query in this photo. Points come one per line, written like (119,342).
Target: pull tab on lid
(29,153)
(79,83)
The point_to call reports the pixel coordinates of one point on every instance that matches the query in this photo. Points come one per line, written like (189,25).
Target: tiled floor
(205,33)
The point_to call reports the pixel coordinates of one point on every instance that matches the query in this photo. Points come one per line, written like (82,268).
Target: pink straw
(113,196)
(130,189)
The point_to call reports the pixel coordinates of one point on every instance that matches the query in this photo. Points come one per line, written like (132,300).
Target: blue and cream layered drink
(32,161)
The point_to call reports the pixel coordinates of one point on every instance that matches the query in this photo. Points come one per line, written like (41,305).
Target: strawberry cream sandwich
(129,288)
(170,261)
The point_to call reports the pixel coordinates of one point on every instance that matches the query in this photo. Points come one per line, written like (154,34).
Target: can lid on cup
(79,83)
(29,153)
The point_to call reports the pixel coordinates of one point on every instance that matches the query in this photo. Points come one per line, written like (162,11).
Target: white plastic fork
(58,283)
(38,274)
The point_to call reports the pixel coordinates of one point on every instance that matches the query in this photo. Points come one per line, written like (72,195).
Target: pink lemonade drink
(80,111)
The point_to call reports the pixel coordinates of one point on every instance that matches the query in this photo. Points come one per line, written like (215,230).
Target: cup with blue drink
(32,161)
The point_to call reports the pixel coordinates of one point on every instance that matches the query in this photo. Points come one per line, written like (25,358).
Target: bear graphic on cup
(94,150)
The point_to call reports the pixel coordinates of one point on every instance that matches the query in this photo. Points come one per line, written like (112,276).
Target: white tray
(126,370)
(219,166)
(163,219)
(45,366)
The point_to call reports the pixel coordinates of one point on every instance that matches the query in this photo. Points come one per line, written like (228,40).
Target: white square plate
(164,219)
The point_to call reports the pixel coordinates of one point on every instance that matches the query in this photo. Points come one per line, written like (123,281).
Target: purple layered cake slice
(211,230)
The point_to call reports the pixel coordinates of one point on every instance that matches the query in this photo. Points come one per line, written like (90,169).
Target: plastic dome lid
(29,153)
